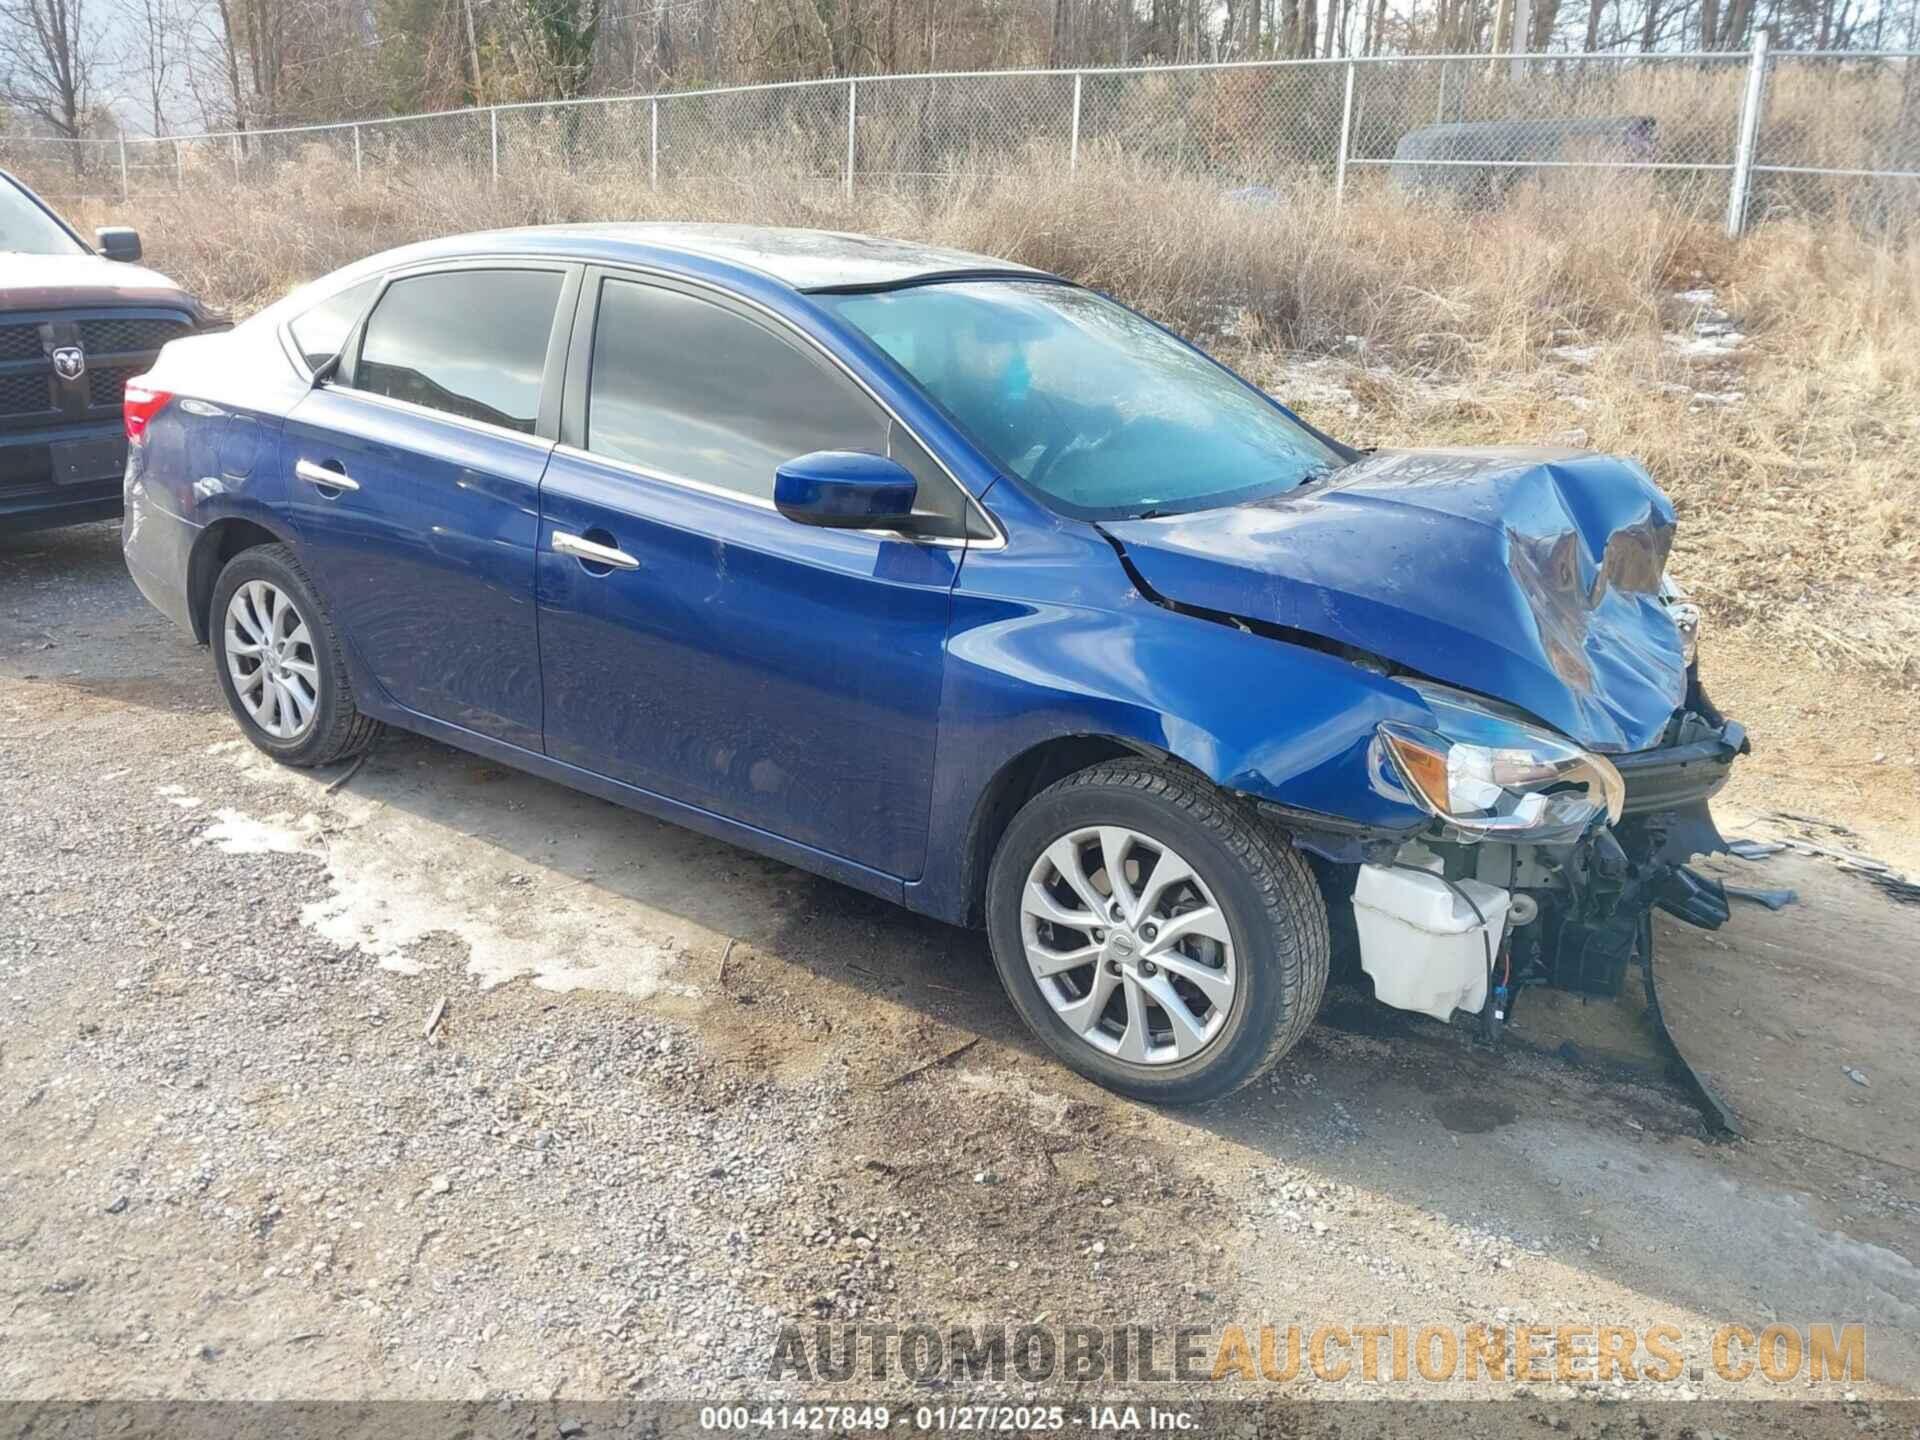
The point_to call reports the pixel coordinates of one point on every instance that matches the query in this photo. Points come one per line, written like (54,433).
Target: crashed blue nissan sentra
(965,586)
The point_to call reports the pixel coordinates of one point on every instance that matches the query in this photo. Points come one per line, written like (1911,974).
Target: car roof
(802,259)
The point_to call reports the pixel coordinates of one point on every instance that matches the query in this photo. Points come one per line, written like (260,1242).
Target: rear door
(781,676)
(414,481)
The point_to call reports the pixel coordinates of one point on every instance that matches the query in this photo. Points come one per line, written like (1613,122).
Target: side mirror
(117,242)
(845,490)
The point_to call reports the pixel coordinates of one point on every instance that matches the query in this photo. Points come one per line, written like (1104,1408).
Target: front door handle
(324,477)
(594,554)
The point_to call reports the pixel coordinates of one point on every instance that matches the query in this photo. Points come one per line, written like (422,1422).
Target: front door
(783,677)
(414,480)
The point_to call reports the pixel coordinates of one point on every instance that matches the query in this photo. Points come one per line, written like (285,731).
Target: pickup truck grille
(117,347)
(20,342)
(27,394)
(118,337)
(108,385)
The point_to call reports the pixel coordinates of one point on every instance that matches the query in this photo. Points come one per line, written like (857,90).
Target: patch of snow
(399,874)
(1576,354)
(1704,347)
(177,795)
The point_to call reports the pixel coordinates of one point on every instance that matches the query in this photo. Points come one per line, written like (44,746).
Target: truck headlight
(1488,774)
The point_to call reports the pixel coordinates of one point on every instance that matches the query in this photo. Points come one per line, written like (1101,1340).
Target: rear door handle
(592,553)
(321,475)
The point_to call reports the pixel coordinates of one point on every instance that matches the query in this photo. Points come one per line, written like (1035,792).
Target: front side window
(321,331)
(692,390)
(1100,411)
(26,229)
(470,342)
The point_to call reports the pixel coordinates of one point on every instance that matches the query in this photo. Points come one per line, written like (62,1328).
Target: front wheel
(279,661)
(1154,934)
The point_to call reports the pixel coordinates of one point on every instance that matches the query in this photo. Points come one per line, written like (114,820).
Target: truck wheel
(279,661)
(1154,934)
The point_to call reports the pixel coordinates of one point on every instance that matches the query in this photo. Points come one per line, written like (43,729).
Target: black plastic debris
(1772,899)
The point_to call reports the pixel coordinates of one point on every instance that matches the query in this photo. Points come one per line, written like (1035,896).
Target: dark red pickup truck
(76,322)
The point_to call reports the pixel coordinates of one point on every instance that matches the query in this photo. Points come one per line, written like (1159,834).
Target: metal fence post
(1749,135)
(238,167)
(493,139)
(653,142)
(179,168)
(125,193)
(853,101)
(1073,145)
(356,152)
(1346,134)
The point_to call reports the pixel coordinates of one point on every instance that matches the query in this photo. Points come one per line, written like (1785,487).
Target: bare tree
(154,47)
(52,55)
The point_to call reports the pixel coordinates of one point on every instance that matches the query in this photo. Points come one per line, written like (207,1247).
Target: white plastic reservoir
(1421,942)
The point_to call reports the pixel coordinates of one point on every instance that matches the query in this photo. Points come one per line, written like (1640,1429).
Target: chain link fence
(1747,135)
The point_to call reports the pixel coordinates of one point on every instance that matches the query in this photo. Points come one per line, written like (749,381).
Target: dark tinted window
(321,331)
(692,390)
(469,342)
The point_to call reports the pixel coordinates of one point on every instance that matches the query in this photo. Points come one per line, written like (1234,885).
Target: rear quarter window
(319,333)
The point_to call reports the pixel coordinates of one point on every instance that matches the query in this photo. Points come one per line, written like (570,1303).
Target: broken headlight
(1686,616)
(1488,774)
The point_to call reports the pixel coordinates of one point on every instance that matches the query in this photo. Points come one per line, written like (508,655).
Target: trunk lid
(1528,575)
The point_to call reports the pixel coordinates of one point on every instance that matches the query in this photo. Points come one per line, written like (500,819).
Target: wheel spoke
(1188,1033)
(1169,871)
(1083,1014)
(1040,902)
(1134,1039)
(297,698)
(240,612)
(1205,921)
(307,672)
(237,646)
(1216,985)
(1047,962)
(1065,855)
(1114,844)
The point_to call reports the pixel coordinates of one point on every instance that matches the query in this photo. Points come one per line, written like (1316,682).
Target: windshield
(1103,413)
(27,229)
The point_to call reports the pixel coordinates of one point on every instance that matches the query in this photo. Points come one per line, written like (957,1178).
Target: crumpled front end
(1533,576)
(1461,918)
(1568,751)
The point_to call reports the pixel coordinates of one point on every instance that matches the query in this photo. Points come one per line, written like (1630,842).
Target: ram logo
(69,362)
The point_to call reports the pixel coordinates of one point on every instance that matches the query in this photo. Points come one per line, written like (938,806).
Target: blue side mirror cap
(845,490)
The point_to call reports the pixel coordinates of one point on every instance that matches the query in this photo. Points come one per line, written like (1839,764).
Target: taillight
(139,407)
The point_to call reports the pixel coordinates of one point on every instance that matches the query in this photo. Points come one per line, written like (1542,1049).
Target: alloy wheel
(1128,945)
(271,661)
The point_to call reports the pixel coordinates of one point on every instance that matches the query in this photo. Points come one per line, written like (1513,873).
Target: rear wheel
(279,661)
(1154,934)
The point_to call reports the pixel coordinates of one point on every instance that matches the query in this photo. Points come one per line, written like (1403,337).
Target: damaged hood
(1531,576)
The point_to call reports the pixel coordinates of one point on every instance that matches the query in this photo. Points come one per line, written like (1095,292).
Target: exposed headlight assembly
(1686,616)
(1489,775)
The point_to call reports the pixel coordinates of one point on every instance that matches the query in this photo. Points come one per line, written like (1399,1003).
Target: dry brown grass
(1797,498)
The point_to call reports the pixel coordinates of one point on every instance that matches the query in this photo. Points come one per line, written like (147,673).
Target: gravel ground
(679,1096)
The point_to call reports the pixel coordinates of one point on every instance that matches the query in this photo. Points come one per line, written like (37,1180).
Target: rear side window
(691,390)
(321,331)
(470,342)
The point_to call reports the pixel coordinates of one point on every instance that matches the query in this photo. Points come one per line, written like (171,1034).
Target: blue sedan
(966,586)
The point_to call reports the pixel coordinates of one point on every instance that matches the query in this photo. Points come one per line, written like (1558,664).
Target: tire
(314,672)
(1262,957)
